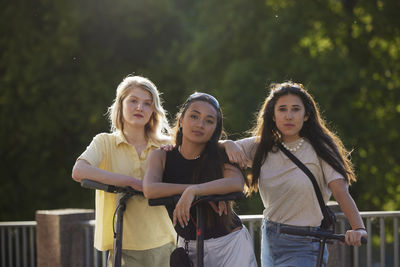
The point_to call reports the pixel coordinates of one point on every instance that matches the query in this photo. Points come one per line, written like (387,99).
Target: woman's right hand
(353,237)
(221,209)
(182,208)
(136,184)
(236,154)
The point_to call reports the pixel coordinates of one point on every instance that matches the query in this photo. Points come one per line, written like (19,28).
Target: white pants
(232,250)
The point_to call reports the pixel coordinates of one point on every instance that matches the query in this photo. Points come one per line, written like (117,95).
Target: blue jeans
(284,250)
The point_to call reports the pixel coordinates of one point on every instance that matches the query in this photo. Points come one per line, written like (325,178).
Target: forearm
(223,143)
(219,186)
(341,193)
(159,189)
(350,210)
(83,170)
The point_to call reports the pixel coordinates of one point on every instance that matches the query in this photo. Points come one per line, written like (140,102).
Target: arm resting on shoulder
(235,153)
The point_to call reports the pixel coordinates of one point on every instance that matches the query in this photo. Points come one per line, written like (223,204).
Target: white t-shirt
(286,191)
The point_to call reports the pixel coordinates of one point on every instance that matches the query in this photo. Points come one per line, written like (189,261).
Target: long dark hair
(209,166)
(325,143)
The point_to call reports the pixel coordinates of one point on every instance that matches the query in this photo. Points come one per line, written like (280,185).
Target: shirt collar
(120,138)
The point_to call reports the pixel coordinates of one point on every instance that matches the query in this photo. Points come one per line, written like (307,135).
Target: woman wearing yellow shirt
(138,125)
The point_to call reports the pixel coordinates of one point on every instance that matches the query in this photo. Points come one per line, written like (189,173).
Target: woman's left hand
(167,147)
(353,237)
(182,208)
(236,154)
(221,209)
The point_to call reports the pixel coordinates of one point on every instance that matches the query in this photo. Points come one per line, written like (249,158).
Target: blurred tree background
(62,60)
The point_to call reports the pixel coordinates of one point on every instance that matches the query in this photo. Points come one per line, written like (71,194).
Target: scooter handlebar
(90,184)
(318,234)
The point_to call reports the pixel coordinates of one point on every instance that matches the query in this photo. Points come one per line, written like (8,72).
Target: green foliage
(61,62)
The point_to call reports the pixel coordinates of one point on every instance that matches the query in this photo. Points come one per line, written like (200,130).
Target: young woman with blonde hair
(138,125)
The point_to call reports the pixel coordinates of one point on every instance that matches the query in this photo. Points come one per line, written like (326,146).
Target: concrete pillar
(60,237)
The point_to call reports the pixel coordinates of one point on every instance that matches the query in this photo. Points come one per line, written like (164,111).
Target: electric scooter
(127,193)
(173,200)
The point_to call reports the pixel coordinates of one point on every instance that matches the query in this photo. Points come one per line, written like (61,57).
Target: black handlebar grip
(318,234)
(164,201)
(343,239)
(226,197)
(86,183)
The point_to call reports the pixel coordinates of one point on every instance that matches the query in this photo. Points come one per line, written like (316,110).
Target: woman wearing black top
(197,167)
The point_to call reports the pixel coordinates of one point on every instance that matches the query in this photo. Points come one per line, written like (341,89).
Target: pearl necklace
(197,157)
(294,149)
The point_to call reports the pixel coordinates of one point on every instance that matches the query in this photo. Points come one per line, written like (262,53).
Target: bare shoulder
(157,156)
(157,153)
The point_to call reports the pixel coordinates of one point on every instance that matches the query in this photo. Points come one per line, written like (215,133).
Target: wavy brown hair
(326,144)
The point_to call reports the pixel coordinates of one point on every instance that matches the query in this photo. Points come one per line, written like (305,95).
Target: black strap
(310,175)
(186,240)
(177,239)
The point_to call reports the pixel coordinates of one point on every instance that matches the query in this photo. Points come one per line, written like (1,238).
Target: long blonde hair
(157,129)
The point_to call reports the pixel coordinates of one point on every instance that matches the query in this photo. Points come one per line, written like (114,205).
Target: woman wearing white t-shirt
(290,116)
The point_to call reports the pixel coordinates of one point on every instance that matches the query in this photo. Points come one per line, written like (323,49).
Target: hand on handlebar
(182,208)
(353,237)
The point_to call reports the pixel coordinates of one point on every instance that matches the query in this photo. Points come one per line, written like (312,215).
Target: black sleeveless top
(179,170)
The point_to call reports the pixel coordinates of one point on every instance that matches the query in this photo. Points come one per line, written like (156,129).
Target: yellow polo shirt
(144,227)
